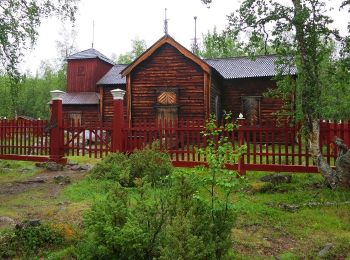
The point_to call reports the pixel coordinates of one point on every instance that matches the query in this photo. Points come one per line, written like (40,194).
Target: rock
(52,166)
(86,167)
(75,168)
(28,223)
(325,250)
(276,178)
(40,165)
(71,163)
(6,221)
(6,170)
(60,179)
(24,170)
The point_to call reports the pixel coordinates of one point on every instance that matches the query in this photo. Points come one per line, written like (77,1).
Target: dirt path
(35,196)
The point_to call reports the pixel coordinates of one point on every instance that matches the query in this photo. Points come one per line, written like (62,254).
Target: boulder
(60,179)
(6,221)
(276,178)
(325,250)
(28,223)
(52,166)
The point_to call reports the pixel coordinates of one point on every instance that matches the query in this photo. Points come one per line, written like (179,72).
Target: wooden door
(167,114)
(251,110)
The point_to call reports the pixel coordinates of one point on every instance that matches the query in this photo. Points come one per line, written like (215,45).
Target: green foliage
(188,217)
(28,240)
(20,21)
(220,45)
(138,47)
(302,35)
(220,182)
(148,164)
(117,230)
(114,167)
(226,45)
(151,164)
(33,94)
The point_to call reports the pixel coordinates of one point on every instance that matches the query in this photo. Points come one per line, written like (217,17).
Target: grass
(263,230)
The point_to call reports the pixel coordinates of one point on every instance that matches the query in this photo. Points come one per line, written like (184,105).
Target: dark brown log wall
(167,68)
(107,102)
(89,113)
(233,91)
(82,75)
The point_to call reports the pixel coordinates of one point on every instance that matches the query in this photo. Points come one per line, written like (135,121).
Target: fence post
(118,120)
(56,131)
(241,122)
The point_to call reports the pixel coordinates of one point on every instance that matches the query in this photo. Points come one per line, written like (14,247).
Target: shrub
(29,240)
(171,222)
(115,167)
(150,164)
(114,230)
(7,248)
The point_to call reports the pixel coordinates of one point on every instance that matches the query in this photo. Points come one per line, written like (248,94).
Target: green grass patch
(87,190)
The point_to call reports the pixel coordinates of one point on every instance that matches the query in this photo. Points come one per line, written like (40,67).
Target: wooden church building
(169,81)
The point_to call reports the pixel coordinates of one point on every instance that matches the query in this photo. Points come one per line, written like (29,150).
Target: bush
(170,222)
(151,164)
(29,240)
(115,167)
(148,164)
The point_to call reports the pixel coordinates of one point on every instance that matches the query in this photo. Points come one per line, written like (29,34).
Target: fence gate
(27,140)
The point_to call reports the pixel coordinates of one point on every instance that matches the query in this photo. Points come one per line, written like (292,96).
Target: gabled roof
(81,98)
(90,54)
(113,76)
(166,39)
(245,67)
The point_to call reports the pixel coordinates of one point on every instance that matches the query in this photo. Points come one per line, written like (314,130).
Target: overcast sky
(117,22)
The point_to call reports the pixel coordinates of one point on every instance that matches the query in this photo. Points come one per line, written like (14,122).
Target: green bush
(115,167)
(28,240)
(148,164)
(151,164)
(170,222)
(7,248)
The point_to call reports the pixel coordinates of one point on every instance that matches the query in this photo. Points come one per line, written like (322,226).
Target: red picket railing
(270,147)
(90,139)
(24,139)
(180,139)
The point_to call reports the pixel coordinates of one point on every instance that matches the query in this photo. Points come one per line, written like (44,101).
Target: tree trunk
(333,178)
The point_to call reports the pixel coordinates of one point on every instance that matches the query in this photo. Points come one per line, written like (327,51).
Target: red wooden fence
(270,147)
(24,140)
(93,140)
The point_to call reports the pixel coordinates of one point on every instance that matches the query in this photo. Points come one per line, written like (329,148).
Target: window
(251,109)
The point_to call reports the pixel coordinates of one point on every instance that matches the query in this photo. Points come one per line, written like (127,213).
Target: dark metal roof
(81,98)
(89,54)
(245,67)
(113,76)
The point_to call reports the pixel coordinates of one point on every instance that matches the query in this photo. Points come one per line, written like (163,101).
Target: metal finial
(166,23)
(93,33)
(195,47)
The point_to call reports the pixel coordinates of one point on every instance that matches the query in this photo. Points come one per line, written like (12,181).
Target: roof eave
(166,39)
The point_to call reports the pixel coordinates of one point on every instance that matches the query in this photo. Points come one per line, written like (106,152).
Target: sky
(118,22)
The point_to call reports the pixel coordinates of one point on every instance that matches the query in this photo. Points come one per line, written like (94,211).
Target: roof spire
(195,48)
(165,23)
(93,33)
